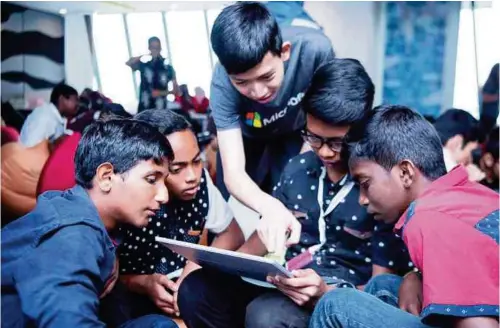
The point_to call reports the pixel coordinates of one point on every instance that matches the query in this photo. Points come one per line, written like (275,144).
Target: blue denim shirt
(55,263)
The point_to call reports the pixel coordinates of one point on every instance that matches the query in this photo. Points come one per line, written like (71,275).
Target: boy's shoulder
(55,210)
(306,35)
(303,164)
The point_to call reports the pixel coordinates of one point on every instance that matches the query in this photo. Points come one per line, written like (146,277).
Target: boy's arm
(254,244)
(134,62)
(220,220)
(37,128)
(449,252)
(58,282)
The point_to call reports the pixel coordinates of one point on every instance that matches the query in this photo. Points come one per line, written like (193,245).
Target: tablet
(251,268)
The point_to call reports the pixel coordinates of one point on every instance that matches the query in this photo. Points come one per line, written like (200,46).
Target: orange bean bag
(21,168)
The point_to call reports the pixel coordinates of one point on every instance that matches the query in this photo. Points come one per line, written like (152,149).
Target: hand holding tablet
(251,268)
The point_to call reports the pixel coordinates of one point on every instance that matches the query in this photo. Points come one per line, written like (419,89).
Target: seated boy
(459,135)
(195,204)
(59,260)
(338,238)
(489,161)
(449,224)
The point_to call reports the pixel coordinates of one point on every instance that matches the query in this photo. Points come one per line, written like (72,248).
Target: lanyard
(334,202)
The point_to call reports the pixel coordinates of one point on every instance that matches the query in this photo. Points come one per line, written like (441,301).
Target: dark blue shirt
(56,262)
(354,241)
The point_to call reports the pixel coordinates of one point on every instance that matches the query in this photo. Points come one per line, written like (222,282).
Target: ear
(104,174)
(407,173)
(455,143)
(286,49)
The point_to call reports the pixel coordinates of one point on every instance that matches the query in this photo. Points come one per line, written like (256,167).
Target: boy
(449,224)
(255,98)
(347,248)
(49,121)
(489,161)
(459,135)
(59,260)
(195,204)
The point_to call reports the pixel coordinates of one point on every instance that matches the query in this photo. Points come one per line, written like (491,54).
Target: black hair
(121,142)
(431,119)
(153,39)
(391,134)
(492,145)
(457,122)
(64,90)
(164,120)
(340,93)
(243,34)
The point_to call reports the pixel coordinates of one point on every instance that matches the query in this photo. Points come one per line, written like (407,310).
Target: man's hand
(274,226)
(305,288)
(160,290)
(410,294)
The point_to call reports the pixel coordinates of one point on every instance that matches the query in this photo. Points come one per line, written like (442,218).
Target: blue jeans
(377,307)
(385,287)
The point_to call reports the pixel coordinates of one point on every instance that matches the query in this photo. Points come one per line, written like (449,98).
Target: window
(471,71)
(189,47)
(112,53)
(140,27)
(187,43)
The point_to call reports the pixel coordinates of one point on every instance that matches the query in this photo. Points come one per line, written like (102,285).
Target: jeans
(350,308)
(214,299)
(124,309)
(385,287)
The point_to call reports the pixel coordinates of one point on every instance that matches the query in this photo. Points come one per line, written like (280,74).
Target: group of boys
(364,194)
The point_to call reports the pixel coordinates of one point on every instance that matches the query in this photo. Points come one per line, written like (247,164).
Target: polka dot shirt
(180,220)
(354,241)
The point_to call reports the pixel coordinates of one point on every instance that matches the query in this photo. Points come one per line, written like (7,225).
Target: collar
(456,177)
(57,113)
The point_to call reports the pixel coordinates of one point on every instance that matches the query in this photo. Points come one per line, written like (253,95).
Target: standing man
(155,77)
(257,87)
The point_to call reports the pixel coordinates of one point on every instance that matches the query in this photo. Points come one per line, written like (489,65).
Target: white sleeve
(219,213)
(37,127)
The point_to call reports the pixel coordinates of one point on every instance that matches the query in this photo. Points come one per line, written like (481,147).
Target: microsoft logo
(253,119)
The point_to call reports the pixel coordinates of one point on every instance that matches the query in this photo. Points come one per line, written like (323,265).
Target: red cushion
(9,134)
(59,170)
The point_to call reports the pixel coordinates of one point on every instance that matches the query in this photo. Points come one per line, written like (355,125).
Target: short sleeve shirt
(451,232)
(179,220)
(310,48)
(155,75)
(353,241)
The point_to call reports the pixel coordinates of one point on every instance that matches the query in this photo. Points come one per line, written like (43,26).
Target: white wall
(77,57)
(354,28)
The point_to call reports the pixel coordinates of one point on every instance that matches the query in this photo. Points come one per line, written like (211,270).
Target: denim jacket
(55,263)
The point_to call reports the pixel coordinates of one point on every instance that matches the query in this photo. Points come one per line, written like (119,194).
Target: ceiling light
(63,11)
